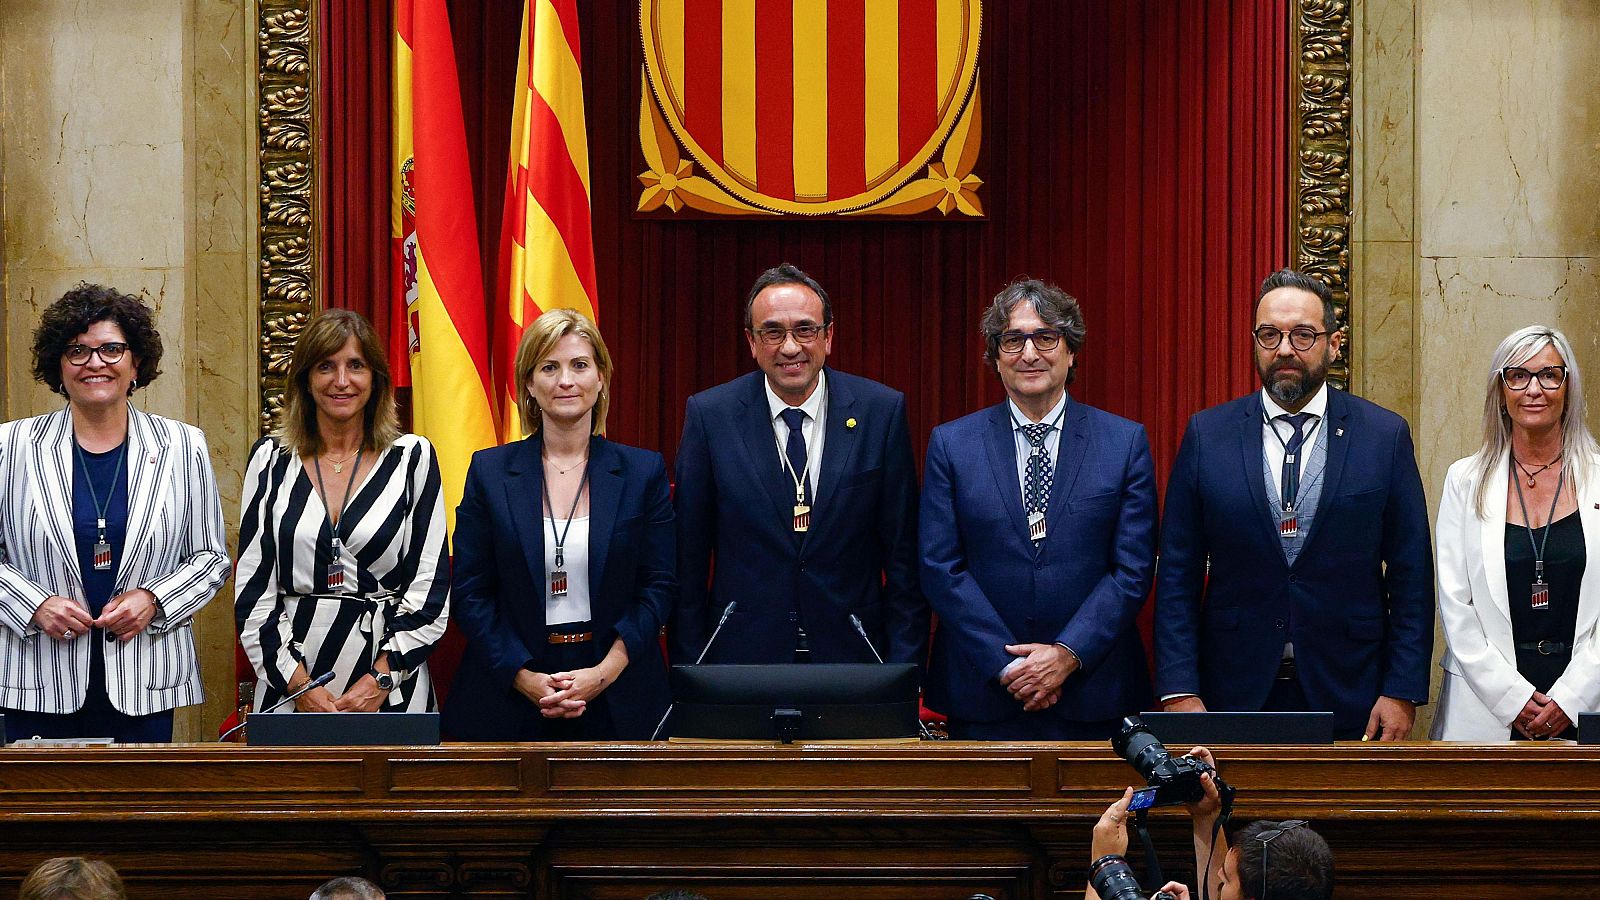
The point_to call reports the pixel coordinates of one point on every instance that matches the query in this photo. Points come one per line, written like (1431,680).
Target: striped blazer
(175,549)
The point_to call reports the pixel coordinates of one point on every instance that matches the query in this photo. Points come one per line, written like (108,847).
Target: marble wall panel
(1508,128)
(1385,68)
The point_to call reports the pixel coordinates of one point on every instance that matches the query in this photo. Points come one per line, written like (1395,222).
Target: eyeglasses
(110,353)
(1266,838)
(1044,340)
(1301,337)
(803,334)
(1551,378)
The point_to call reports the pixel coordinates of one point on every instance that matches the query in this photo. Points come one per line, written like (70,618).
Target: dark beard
(1289,393)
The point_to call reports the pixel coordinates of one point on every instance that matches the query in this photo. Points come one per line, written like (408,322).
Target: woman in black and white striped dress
(342,536)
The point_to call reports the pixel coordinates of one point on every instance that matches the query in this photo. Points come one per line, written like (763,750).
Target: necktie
(795,449)
(1290,488)
(1039,475)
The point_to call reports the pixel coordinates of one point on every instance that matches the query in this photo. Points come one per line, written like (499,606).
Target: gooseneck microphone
(861,630)
(726,612)
(316,682)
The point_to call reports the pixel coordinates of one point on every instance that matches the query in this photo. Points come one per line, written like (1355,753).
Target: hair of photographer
(1299,863)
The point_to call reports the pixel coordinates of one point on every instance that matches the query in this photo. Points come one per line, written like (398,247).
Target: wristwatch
(386,680)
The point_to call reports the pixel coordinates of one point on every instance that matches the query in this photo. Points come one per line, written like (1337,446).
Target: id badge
(558,583)
(102,556)
(802,518)
(1541,595)
(1036,526)
(336,568)
(1288,525)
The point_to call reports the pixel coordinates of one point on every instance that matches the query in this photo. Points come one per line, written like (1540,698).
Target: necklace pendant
(338,468)
(1532,482)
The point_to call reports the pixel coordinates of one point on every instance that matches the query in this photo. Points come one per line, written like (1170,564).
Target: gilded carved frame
(1319,189)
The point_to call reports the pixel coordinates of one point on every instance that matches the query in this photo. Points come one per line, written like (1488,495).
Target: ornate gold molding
(1320,114)
(287,182)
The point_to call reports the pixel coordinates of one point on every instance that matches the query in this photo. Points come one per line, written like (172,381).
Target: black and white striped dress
(397,594)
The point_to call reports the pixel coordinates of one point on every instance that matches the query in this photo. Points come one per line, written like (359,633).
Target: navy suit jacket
(498,590)
(736,539)
(1082,586)
(1357,603)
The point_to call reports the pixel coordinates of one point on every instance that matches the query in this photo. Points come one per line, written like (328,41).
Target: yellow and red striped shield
(810,107)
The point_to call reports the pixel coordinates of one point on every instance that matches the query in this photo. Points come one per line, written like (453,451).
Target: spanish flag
(547,244)
(436,242)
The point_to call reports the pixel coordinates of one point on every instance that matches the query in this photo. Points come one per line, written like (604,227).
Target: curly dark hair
(83,306)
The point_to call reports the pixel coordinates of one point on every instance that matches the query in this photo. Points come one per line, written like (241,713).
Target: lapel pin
(850,423)
(152,459)
(1338,432)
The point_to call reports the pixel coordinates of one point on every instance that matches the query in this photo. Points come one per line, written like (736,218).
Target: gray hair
(1578,445)
(1056,308)
(348,888)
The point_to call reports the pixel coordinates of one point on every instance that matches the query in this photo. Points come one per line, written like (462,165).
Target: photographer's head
(1277,861)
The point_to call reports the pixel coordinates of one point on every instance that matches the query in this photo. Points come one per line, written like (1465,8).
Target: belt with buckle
(578,638)
(1545,648)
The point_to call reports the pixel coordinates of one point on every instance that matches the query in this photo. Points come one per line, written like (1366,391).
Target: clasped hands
(1541,718)
(1037,679)
(563,695)
(125,615)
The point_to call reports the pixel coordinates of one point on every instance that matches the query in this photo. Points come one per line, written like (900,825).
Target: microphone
(316,682)
(861,630)
(726,612)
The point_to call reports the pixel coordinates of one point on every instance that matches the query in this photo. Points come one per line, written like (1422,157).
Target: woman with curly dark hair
(110,532)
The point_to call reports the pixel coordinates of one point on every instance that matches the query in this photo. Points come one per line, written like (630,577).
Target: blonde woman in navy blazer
(102,647)
(551,657)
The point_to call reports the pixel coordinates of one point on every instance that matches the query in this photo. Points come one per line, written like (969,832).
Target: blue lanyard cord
(1538,548)
(99,508)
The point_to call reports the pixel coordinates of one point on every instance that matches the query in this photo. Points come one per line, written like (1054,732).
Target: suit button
(1294,579)
(1278,624)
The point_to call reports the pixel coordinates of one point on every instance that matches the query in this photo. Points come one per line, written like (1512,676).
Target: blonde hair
(72,878)
(1578,447)
(538,342)
(324,336)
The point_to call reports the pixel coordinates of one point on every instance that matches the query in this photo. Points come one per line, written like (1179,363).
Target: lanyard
(1310,435)
(338,542)
(1056,426)
(1538,548)
(102,549)
(799,478)
(561,536)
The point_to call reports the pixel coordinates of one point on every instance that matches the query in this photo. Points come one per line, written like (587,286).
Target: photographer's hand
(1204,813)
(1178,890)
(1111,832)
(1391,720)
(1208,807)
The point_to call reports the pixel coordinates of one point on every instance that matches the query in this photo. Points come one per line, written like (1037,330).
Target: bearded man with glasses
(1296,568)
(796,498)
(1038,537)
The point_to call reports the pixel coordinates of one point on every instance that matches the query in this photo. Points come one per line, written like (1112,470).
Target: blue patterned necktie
(1040,474)
(1289,490)
(795,449)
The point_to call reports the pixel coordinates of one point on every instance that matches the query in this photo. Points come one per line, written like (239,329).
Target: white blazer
(1483,692)
(175,549)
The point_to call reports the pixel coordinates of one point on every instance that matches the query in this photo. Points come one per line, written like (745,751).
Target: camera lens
(1113,879)
(1139,747)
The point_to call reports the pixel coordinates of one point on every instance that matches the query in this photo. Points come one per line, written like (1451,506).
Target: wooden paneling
(939,820)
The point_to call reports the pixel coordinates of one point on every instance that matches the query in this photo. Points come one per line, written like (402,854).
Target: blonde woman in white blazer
(1518,596)
(110,536)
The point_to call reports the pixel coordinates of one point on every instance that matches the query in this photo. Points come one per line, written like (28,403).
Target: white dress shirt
(813,429)
(1317,406)
(573,606)
(1052,438)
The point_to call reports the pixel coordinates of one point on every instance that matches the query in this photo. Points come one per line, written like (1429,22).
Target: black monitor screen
(804,701)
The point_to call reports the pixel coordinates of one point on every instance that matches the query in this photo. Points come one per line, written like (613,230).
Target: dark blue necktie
(796,447)
(1039,475)
(1290,488)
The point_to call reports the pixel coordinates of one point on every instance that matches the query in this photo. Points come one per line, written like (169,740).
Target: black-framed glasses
(803,334)
(1044,340)
(1301,337)
(1551,378)
(110,353)
(1266,838)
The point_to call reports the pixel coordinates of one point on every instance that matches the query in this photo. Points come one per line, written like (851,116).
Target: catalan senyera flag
(547,244)
(434,228)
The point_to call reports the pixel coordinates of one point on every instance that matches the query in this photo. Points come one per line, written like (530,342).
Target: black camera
(1113,880)
(1174,780)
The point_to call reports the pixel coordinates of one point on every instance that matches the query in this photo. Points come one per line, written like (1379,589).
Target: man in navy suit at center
(1038,539)
(796,498)
(1296,567)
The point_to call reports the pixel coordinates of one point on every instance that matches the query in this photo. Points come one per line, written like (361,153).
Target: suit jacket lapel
(525,497)
(1250,451)
(147,463)
(1337,439)
(1492,546)
(51,460)
(755,428)
(1070,453)
(838,451)
(605,495)
(1002,448)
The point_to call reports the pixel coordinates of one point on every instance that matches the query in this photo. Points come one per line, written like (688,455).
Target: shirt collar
(813,405)
(1318,405)
(1053,417)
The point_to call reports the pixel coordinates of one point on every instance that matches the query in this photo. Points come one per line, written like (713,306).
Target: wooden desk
(937,820)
